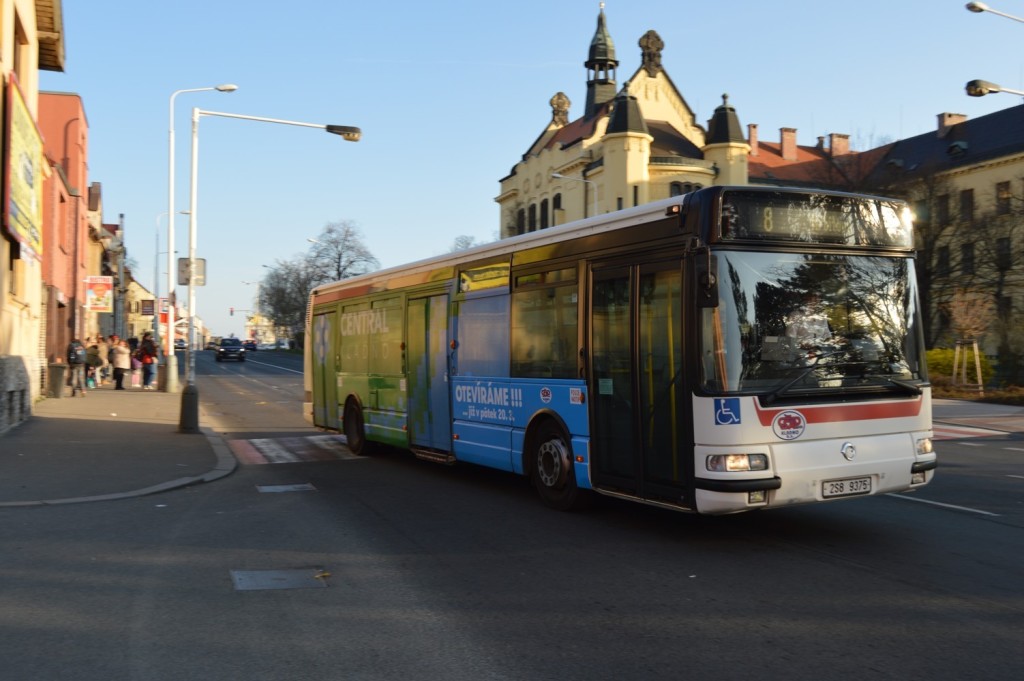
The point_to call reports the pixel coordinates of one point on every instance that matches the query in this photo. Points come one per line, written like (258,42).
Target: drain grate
(300,578)
(299,487)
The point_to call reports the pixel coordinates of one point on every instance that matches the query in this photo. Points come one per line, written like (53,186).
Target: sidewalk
(107,445)
(1004,417)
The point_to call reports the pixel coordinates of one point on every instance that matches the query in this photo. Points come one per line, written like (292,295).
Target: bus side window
(544,323)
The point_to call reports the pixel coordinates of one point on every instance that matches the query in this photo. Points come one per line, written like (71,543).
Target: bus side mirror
(705,285)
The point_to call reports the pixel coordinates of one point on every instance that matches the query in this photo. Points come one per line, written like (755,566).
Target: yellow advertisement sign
(99,294)
(23,174)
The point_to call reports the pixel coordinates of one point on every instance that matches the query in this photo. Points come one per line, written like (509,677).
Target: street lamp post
(560,176)
(189,420)
(171,384)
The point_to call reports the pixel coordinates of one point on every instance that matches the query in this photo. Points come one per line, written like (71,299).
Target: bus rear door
(325,371)
(429,411)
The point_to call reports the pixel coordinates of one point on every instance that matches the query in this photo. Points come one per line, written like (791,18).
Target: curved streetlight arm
(979,7)
(347,132)
(560,176)
(980,88)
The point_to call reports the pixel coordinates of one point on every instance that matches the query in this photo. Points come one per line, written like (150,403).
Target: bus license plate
(846,488)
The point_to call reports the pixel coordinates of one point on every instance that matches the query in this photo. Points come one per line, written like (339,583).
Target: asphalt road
(412,570)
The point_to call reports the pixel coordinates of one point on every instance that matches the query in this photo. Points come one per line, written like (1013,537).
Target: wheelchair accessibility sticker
(727,411)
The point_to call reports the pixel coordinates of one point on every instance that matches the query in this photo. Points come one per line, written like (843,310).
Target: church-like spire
(601,64)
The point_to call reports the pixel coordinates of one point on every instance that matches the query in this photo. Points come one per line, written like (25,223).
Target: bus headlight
(737,462)
(924,446)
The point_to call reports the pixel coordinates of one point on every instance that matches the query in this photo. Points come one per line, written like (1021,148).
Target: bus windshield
(798,324)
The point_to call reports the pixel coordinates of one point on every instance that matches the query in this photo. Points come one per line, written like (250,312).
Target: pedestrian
(104,351)
(93,363)
(147,355)
(76,363)
(121,358)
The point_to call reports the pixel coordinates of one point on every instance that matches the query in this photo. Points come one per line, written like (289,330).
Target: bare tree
(284,293)
(462,242)
(339,253)
(971,313)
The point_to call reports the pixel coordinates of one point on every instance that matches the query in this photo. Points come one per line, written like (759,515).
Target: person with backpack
(76,364)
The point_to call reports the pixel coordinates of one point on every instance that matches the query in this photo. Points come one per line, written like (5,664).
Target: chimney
(821,143)
(839,145)
(947,121)
(752,138)
(788,143)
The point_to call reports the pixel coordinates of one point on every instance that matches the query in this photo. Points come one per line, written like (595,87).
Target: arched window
(676,189)
(520,221)
(556,202)
(532,220)
(544,214)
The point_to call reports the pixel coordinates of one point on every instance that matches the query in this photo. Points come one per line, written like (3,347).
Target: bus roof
(628,217)
(608,222)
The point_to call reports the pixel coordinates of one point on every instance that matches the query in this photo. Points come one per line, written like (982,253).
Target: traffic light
(232,312)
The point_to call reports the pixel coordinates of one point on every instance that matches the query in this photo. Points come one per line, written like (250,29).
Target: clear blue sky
(450,93)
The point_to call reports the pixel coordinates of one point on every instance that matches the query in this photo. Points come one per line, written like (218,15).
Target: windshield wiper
(804,372)
(906,385)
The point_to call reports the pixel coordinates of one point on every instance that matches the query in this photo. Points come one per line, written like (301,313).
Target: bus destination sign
(815,218)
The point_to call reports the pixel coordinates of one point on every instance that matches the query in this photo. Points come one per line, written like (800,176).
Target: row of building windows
(542,215)
(943,205)
(538,217)
(1002,257)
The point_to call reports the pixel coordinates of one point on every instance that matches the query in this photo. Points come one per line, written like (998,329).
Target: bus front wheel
(552,473)
(355,431)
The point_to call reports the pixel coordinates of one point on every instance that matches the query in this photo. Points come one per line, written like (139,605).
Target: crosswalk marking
(948,432)
(258,451)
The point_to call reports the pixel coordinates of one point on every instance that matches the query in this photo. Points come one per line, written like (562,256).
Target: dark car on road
(230,348)
(249,345)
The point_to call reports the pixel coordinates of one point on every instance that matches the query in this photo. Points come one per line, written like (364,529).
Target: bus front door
(429,419)
(638,430)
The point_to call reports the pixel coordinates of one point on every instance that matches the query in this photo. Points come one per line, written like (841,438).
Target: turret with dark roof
(625,115)
(724,126)
(601,64)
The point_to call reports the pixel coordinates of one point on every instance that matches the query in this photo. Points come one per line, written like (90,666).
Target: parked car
(212,345)
(230,348)
(249,345)
(180,344)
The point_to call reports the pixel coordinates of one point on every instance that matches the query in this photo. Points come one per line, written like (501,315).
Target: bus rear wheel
(355,431)
(553,474)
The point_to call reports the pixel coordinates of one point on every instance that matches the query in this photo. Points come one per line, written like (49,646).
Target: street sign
(200,272)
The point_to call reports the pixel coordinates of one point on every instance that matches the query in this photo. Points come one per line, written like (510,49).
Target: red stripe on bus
(847,412)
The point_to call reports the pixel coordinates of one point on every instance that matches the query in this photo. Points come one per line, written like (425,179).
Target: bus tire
(355,430)
(552,472)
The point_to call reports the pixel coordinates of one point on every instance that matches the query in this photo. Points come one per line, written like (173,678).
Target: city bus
(731,349)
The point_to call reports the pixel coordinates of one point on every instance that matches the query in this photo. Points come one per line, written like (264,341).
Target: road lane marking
(937,503)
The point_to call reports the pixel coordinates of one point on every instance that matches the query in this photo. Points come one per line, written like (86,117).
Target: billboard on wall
(23,174)
(99,294)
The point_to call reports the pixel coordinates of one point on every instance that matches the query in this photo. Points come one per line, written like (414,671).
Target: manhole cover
(301,578)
